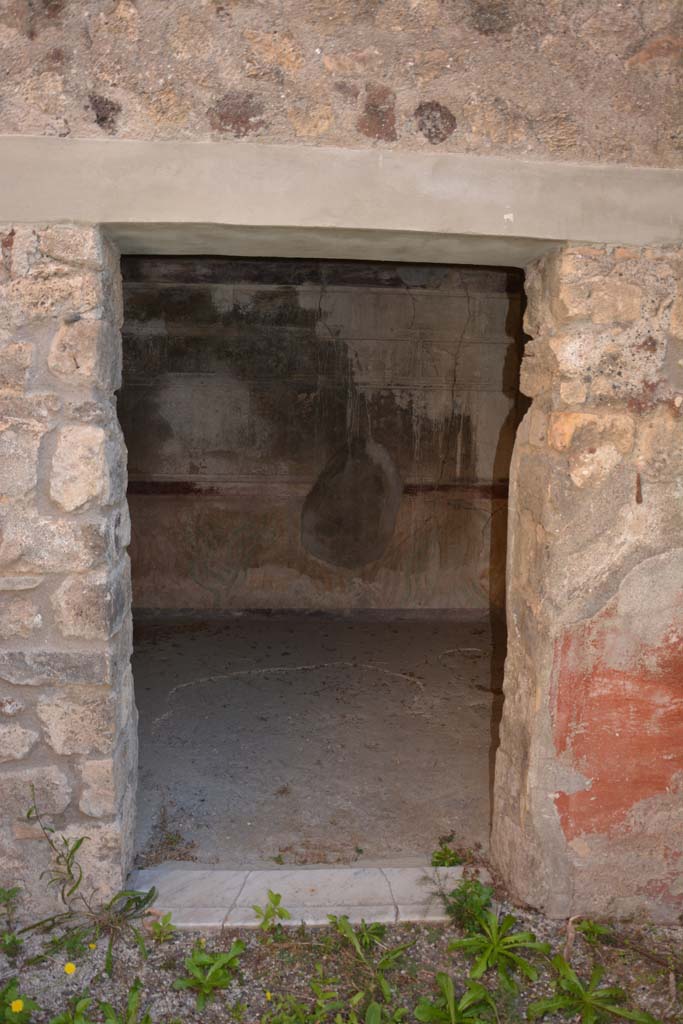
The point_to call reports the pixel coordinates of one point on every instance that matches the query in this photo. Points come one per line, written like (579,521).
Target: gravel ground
(287,965)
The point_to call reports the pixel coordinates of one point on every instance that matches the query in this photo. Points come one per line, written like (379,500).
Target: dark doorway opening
(318,467)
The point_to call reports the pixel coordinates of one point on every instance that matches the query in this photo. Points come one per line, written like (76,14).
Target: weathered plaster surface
(588,814)
(318,435)
(571,81)
(67,718)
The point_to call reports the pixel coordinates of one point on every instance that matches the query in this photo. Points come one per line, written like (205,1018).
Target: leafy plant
(65,873)
(77,1013)
(375,971)
(370,935)
(162,930)
(375,1013)
(593,932)
(445,856)
(10,942)
(590,1003)
(115,918)
(208,972)
(475,1006)
(496,947)
(467,902)
(15,1008)
(271,916)
(131,1014)
(8,901)
(72,941)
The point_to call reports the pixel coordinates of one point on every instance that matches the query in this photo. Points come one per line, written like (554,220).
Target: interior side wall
(273,410)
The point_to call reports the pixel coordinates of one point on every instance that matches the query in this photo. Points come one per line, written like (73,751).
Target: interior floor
(314,739)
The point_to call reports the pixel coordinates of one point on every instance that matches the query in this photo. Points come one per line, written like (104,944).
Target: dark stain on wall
(106,112)
(378,120)
(349,516)
(435,121)
(238,112)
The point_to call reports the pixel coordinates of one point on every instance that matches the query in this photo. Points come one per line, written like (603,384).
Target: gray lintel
(259,199)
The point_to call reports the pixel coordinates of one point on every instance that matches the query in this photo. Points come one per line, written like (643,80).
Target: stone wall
(586,80)
(588,814)
(67,716)
(246,382)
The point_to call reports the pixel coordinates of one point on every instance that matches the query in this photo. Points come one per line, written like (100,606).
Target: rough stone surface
(78,467)
(80,722)
(98,797)
(573,81)
(15,741)
(52,788)
(86,351)
(64,526)
(588,811)
(18,459)
(19,617)
(92,606)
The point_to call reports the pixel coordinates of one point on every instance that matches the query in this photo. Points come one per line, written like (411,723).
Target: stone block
(659,448)
(615,301)
(79,470)
(19,244)
(19,617)
(31,543)
(33,411)
(87,352)
(583,428)
(15,362)
(569,301)
(573,392)
(52,788)
(594,465)
(27,300)
(64,668)
(78,721)
(92,606)
(99,794)
(15,583)
(18,459)
(15,741)
(82,246)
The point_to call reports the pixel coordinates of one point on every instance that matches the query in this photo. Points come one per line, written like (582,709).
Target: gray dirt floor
(313,739)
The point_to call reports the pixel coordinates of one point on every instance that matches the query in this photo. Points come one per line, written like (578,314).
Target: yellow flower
(69,968)
(92,945)
(269,996)
(17,1005)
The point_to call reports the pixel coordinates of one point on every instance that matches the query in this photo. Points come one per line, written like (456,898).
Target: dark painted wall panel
(250,384)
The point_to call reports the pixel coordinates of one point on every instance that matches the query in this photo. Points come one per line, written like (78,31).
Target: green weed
(208,972)
(131,1015)
(467,902)
(271,916)
(475,1005)
(15,1007)
(590,1003)
(162,930)
(496,947)
(445,856)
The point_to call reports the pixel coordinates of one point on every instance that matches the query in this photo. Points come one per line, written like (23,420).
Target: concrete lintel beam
(262,199)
